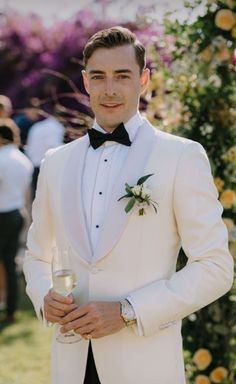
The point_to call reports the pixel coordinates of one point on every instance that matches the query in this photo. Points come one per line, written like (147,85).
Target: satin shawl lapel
(72,203)
(116,217)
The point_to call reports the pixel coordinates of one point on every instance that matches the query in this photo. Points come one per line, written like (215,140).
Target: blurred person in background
(15,179)
(5,112)
(43,135)
(25,121)
(5,106)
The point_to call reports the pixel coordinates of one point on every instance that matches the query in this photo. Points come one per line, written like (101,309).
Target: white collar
(131,126)
(7,147)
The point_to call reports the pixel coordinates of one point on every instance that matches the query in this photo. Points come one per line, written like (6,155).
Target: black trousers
(34,182)
(11,224)
(91,376)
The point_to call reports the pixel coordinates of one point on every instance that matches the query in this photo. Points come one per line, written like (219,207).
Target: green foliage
(195,97)
(25,347)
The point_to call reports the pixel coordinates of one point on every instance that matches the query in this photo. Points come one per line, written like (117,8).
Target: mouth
(111,106)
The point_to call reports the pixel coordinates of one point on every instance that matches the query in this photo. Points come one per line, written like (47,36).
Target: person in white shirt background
(130,300)
(5,113)
(43,135)
(15,180)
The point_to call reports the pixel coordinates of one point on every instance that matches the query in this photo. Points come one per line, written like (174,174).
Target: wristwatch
(127,312)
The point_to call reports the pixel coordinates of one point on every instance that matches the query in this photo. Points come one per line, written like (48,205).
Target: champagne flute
(64,281)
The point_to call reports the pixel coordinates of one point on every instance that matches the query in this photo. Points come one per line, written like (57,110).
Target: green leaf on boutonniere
(122,197)
(129,192)
(143,179)
(128,189)
(130,204)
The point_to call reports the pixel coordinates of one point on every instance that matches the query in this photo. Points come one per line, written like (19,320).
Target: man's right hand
(57,306)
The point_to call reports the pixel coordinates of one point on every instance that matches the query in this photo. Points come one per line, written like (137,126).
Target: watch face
(128,312)
(129,315)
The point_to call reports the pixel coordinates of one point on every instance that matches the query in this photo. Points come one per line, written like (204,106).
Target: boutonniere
(139,194)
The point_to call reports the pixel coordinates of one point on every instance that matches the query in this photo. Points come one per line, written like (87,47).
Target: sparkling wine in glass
(64,281)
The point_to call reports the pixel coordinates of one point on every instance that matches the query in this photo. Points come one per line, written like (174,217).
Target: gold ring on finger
(88,336)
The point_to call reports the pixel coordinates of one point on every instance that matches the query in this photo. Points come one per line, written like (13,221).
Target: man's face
(112,79)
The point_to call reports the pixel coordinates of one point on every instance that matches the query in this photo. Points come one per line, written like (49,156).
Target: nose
(110,87)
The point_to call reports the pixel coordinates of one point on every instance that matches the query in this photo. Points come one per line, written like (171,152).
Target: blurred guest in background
(25,120)
(43,135)
(15,178)
(5,106)
(5,112)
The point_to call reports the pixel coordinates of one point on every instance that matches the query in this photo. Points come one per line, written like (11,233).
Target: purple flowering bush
(45,62)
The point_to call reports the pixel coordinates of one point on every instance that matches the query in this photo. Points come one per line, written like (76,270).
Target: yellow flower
(218,374)
(225,19)
(233,32)
(202,379)
(230,155)
(206,54)
(229,223)
(228,198)
(219,183)
(224,54)
(202,358)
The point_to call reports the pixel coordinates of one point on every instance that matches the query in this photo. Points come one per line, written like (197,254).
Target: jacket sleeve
(40,241)
(208,273)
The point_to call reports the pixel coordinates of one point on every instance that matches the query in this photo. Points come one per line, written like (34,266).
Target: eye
(97,77)
(123,76)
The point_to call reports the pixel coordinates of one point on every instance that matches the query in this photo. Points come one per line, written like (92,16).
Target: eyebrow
(97,71)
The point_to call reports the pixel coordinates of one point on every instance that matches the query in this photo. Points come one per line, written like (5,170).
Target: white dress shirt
(43,135)
(102,167)
(15,177)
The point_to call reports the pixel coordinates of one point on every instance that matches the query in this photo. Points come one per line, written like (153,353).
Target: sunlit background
(54,10)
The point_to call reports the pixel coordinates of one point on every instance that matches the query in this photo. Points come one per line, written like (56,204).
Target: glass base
(68,338)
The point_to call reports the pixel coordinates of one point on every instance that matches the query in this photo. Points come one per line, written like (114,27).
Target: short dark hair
(9,131)
(115,37)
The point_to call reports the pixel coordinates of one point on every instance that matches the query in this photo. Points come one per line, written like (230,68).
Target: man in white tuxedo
(130,300)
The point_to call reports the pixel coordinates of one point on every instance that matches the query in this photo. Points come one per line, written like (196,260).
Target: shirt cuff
(138,329)
(45,322)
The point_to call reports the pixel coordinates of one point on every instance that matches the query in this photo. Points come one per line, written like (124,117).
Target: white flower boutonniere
(139,194)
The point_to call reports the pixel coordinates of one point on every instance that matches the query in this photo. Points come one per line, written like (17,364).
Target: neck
(111,128)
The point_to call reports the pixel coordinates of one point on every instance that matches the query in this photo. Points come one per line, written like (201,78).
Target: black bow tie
(120,135)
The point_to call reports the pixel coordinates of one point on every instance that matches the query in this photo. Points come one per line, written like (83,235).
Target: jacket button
(94,269)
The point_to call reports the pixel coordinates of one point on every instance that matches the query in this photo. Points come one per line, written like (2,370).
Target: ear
(85,80)
(144,79)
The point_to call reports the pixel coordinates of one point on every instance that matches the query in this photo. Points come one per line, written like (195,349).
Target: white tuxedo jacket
(136,255)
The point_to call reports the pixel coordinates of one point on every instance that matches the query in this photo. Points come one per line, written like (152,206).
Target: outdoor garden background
(192,93)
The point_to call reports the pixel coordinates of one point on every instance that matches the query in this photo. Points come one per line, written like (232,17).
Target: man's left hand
(96,319)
